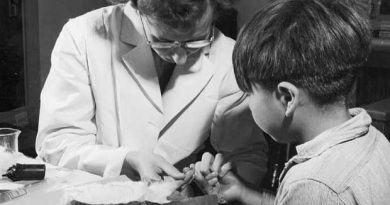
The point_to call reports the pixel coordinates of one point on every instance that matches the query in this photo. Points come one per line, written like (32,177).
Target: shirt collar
(355,127)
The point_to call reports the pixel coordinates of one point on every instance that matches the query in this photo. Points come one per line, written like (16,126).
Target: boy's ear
(289,97)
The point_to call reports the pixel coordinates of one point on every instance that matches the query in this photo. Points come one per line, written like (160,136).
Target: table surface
(51,190)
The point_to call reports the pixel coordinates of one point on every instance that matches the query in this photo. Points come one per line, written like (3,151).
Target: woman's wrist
(128,167)
(131,159)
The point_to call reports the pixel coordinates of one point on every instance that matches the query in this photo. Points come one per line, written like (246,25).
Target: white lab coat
(102,99)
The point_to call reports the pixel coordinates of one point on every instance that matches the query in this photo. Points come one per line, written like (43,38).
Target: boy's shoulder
(343,166)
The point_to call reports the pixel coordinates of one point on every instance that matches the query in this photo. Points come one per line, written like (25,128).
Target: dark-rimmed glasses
(187,44)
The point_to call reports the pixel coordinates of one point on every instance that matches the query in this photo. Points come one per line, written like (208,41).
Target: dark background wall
(11,56)
(247,8)
(52,15)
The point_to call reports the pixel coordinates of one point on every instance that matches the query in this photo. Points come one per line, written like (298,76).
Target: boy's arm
(236,135)
(251,197)
(307,192)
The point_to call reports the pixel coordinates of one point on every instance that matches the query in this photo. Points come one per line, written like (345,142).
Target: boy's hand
(223,182)
(215,178)
(230,187)
(208,167)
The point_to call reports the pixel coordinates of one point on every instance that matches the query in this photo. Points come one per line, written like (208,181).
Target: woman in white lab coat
(132,89)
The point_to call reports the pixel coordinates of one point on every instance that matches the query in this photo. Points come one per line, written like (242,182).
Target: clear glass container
(9,139)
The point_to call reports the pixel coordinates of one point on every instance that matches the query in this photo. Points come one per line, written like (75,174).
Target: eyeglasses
(170,45)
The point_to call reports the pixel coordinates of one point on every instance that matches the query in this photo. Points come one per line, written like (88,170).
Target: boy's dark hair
(179,13)
(315,44)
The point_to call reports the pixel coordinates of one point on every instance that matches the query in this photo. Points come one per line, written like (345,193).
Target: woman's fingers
(149,177)
(170,170)
(189,175)
(186,169)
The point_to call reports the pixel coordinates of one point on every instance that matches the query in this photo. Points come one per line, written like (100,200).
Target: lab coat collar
(186,82)
(131,28)
(184,87)
(139,62)
(139,59)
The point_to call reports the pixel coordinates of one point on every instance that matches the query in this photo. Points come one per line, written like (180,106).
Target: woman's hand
(189,175)
(150,166)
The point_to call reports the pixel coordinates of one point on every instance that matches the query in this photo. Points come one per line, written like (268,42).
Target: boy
(297,60)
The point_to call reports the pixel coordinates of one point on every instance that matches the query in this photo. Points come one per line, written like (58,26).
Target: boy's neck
(321,120)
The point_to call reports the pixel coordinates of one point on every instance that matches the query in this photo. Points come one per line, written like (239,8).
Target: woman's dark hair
(177,13)
(315,44)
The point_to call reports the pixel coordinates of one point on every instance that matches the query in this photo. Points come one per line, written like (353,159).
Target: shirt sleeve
(308,192)
(236,135)
(67,128)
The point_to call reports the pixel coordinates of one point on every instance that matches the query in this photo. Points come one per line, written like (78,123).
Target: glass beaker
(9,139)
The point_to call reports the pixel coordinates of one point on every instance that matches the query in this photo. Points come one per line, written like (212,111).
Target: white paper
(120,191)
(10,185)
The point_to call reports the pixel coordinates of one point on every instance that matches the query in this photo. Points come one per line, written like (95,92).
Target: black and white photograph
(194,102)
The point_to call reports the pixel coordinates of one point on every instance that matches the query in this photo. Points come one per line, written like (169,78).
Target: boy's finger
(211,175)
(198,175)
(225,169)
(217,163)
(207,160)
(213,182)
